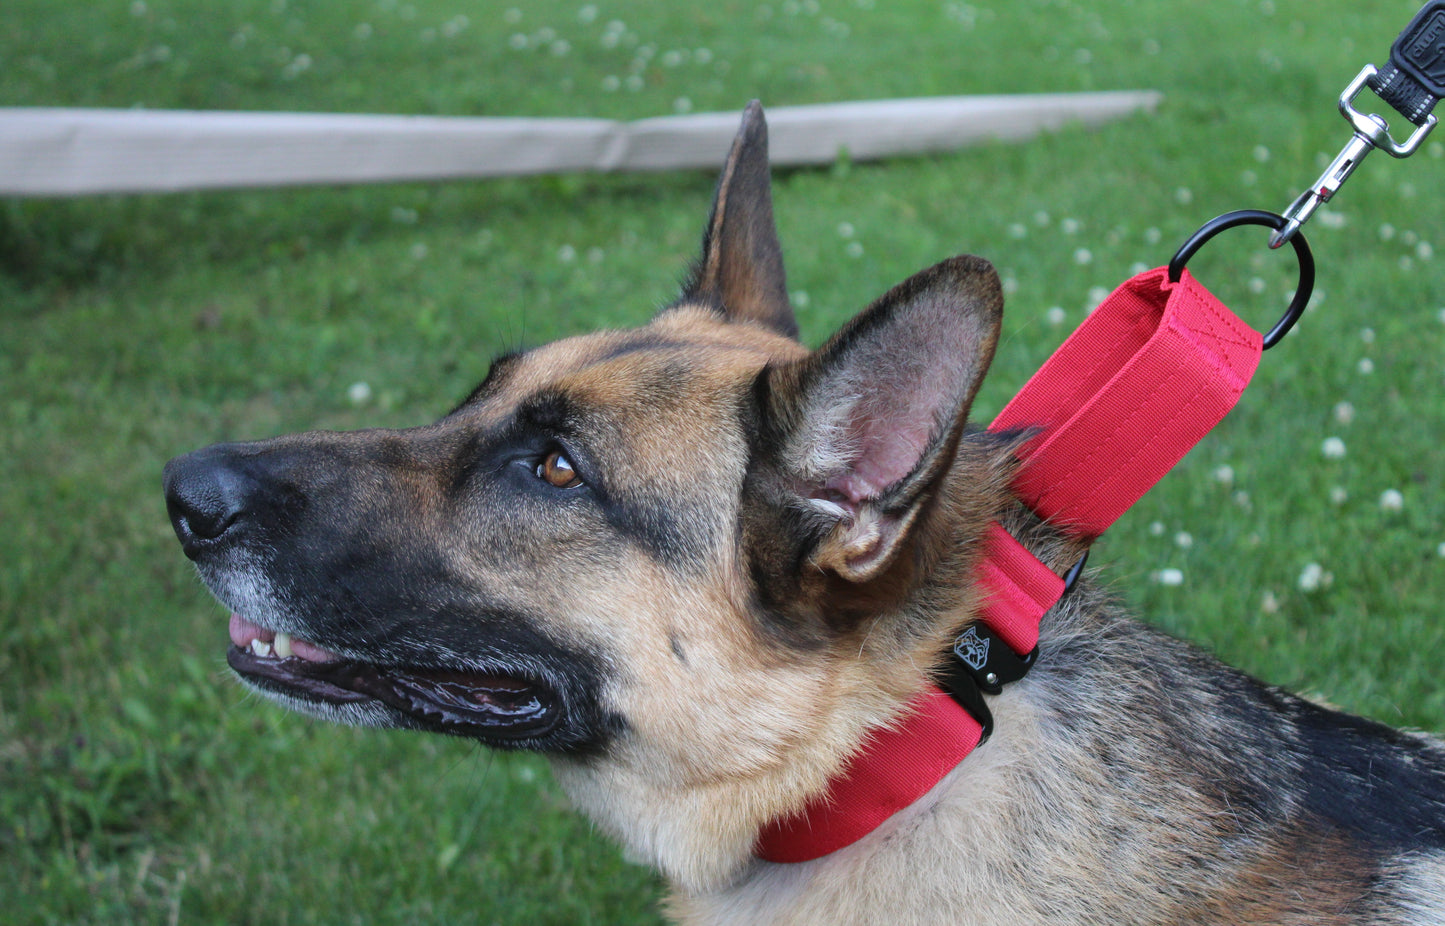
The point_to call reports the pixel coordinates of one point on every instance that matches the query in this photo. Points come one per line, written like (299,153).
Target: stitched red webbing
(1126,397)
(888,774)
(1017,590)
(1147,375)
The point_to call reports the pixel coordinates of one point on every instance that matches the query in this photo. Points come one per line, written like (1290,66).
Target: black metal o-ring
(1216,225)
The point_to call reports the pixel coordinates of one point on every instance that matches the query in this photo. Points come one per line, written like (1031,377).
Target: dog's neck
(942,725)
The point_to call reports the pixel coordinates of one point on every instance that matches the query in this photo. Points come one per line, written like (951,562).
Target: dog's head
(693,561)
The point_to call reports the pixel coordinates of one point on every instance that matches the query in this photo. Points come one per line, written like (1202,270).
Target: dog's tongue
(243,632)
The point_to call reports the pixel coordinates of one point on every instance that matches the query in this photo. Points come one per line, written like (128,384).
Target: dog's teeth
(261,648)
(282,645)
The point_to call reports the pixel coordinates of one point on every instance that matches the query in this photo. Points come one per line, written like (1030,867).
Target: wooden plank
(67,152)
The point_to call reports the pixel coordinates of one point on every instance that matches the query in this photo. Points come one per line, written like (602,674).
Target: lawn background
(137,782)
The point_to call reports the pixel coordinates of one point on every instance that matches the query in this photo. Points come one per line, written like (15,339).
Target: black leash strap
(1414,79)
(1411,82)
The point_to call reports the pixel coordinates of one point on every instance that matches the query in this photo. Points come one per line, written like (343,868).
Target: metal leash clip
(1412,83)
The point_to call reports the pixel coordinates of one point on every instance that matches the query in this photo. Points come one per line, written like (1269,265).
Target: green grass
(137,784)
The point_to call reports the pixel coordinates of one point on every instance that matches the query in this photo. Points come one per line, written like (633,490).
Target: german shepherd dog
(696,564)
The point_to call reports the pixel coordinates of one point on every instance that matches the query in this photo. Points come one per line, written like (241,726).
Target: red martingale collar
(1148,374)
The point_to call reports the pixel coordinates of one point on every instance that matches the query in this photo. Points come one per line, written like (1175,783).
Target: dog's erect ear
(866,427)
(741,268)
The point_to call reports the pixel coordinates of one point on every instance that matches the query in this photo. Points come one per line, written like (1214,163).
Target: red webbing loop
(1129,393)
(1149,373)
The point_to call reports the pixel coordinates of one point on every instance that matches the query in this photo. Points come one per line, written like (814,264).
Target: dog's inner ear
(741,269)
(869,424)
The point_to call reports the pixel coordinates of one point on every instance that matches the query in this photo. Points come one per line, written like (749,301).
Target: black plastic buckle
(983,663)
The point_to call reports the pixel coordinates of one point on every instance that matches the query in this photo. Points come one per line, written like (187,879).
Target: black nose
(206,496)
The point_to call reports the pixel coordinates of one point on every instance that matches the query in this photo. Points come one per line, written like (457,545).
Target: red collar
(1146,376)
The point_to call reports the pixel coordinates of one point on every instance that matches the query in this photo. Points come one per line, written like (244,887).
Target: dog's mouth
(444,700)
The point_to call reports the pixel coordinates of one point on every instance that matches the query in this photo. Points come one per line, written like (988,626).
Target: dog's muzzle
(269,528)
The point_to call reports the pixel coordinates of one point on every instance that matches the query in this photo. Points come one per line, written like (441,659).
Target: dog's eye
(556,470)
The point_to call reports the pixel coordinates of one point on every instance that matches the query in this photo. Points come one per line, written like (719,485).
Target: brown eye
(556,470)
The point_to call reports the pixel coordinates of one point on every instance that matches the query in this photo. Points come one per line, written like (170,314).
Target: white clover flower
(1157,528)
(1268,603)
(845,230)
(1338,495)
(359,393)
(1344,412)
(1224,474)
(1169,577)
(1083,256)
(1184,540)
(1391,500)
(1056,316)
(1366,366)
(854,249)
(566,253)
(1313,577)
(1333,448)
